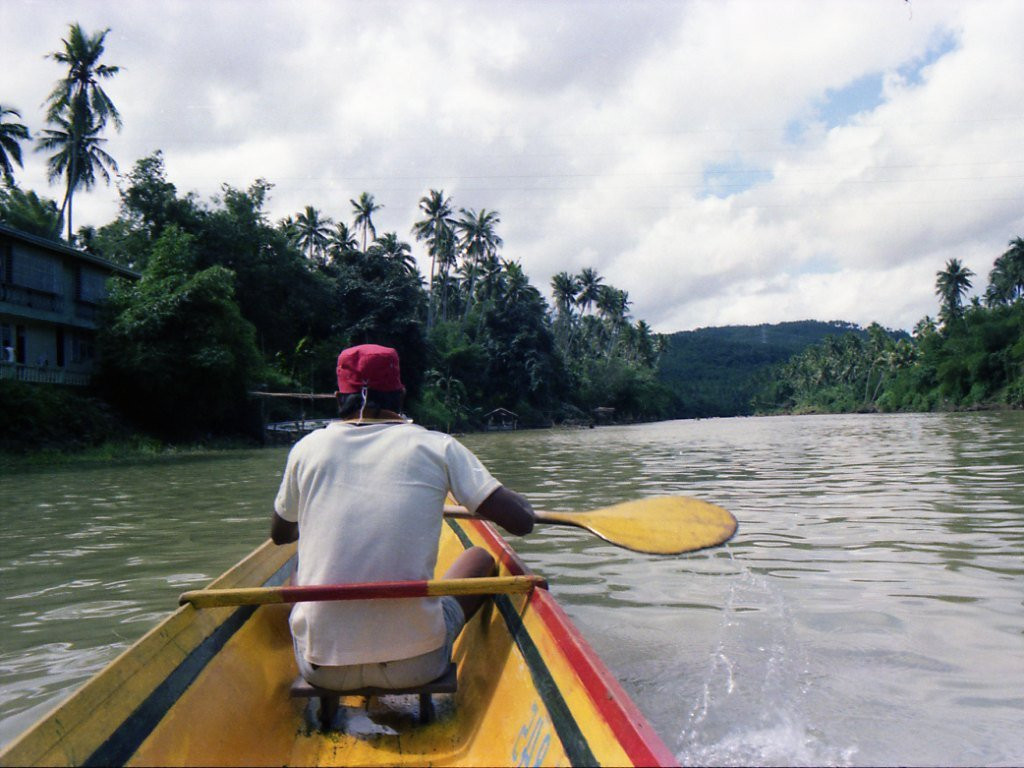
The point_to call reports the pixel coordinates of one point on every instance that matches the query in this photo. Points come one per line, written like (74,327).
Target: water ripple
(869,610)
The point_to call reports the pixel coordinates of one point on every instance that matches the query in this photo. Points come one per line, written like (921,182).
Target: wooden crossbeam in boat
(295,395)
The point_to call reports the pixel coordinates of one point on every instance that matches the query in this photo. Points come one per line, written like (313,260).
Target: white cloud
(690,151)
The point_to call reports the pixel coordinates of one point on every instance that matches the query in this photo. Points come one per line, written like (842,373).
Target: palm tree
(80,107)
(80,89)
(390,247)
(925,327)
(30,213)
(613,305)
(85,239)
(447,260)
(341,241)
(479,240)
(461,279)
(879,357)
(590,288)
(287,227)
(78,157)
(515,283)
(564,288)
(1006,280)
(646,349)
(436,229)
(312,233)
(11,136)
(951,285)
(364,209)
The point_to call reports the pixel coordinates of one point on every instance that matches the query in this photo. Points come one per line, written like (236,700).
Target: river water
(870,610)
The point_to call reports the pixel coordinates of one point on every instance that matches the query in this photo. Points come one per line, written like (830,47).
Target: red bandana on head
(368,365)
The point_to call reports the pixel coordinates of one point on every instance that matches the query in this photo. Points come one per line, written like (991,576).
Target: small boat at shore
(213,686)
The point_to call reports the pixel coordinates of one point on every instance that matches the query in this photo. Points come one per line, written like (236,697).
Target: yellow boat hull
(211,687)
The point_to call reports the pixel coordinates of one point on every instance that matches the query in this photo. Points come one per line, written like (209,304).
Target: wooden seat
(446,683)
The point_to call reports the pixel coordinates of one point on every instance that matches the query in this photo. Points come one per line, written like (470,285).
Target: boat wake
(753,709)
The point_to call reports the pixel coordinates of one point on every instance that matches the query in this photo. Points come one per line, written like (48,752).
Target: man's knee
(481,561)
(473,563)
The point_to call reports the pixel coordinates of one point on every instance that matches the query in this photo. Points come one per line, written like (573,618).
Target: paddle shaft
(218,598)
(553,518)
(549,518)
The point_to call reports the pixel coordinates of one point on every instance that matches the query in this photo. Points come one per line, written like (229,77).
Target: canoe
(211,686)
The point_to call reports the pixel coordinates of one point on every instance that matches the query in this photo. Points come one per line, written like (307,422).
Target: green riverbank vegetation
(229,302)
(972,357)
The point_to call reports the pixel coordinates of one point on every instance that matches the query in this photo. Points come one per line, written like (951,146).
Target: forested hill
(717,371)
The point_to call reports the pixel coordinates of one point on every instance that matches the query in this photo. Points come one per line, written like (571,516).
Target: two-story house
(49,298)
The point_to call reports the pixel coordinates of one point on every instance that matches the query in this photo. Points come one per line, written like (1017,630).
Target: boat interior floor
(329,698)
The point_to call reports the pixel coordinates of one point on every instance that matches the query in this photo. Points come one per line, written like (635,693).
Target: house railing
(42,374)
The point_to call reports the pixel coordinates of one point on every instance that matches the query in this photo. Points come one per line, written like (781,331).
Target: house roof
(502,412)
(56,246)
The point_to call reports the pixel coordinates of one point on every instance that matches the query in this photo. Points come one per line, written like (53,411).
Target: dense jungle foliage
(719,371)
(229,302)
(973,357)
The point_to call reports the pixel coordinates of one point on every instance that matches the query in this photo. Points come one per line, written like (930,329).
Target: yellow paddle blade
(660,525)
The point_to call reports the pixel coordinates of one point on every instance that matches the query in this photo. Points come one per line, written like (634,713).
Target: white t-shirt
(369,503)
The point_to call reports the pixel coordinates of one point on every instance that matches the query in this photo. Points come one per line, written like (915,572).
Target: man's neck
(375,416)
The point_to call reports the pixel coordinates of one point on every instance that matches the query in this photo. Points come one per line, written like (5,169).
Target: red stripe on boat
(638,738)
(634,733)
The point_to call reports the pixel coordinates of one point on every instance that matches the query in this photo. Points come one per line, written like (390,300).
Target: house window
(6,262)
(19,344)
(36,271)
(90,285)
(60,348)
(83,348)
(6,344)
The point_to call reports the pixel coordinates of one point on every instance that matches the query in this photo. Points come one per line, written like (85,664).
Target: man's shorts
(403,673)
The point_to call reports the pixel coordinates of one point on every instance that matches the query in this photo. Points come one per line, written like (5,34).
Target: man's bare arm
(508,509)
(282,531)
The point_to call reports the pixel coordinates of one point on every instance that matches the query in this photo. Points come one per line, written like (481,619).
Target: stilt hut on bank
(501,419)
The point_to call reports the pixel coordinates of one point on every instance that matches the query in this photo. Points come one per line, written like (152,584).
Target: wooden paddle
(659,525)
(219,598)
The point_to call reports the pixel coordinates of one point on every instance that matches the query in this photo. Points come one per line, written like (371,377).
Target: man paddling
(365,498)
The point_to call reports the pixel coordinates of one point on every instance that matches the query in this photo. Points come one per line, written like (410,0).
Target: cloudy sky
(725,162)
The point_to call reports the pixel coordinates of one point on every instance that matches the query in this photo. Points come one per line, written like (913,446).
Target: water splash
(753,706)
